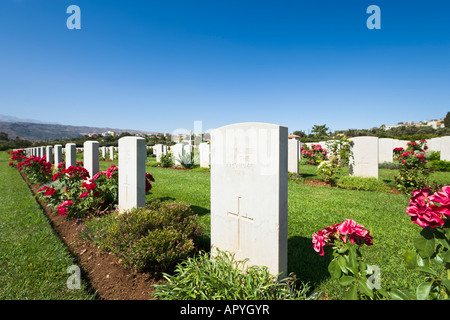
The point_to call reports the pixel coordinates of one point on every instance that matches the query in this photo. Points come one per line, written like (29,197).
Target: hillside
(41,132)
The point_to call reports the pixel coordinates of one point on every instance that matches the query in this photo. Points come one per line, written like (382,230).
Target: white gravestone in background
(58,154)
(159,152)
(363,161)
(249,193)
(187,151)
(91,157)
(49,153)
(293,155)
(204,149)
(385,150)
(434,144)
(445,148)
(132,157)
(177,153)
(111,153)
(400,144)
(71,154)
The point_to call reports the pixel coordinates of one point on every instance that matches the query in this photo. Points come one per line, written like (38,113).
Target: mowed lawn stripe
(33,260)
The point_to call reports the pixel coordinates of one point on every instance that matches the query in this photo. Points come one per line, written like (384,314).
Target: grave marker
(204,149)
(445,148)
(58,154)
(132,158)
(111,153)
(385,150)
(293,155)
(91,157)
(49,153)
(177,153)
(71,155)
(249,193)
(363,160)
(434,144)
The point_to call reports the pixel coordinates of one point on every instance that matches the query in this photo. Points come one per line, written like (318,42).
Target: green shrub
(441,165)
(433,155)
(166,160)
(389,165)
(363,184)
(153,164)
(204,277)
(152,237)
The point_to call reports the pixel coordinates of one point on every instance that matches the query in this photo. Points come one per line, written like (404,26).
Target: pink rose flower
(423,211)
(319,241)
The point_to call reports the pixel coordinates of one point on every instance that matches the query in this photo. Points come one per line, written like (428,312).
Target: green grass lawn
(33,260)
(311,208)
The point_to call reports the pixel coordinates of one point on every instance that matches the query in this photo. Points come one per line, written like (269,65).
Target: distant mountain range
(35,130)
(6,118)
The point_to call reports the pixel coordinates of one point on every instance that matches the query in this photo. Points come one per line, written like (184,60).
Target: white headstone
(363,160)
(293,155)
(177,153)
(111,153)
(132,157)
(385,150)
(249,193)
(187,148)
(400,144)
(91,157)
(49,153)
(159,152)
(58,154)
(103,152)
(187,152)
(204,149)
(71,154)
(445,148)
(434,144)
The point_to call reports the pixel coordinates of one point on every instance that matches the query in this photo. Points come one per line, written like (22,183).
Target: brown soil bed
(100,270)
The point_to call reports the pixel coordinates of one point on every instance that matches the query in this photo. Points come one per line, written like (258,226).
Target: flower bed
(74,197)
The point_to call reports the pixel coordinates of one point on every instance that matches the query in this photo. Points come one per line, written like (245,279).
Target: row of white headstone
(49,151)
(131,162)
(249,186)
(366,153)
(91,154)
(387,145)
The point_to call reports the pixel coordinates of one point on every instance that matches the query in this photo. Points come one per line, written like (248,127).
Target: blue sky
(161,65)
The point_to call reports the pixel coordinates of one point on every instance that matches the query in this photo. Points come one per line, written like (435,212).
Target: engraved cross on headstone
(239,216)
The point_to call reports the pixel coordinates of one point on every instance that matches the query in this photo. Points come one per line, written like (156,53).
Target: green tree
(447,120)
(320,130)
(301,134)
(3,136)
